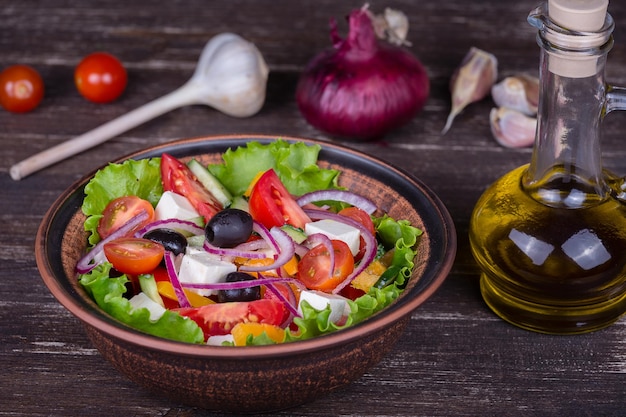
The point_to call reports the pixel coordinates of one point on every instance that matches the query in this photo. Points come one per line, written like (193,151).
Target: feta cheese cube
(174,206)
(141,300)
(337,231)
(320,300)
(219,339)
(199,267)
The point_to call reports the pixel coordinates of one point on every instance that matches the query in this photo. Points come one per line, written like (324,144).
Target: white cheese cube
(320,300)
(337,231)
(219,339)
(204,268)
(174,206)
(141,300)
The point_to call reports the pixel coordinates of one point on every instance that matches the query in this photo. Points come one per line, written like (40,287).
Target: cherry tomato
(120,211)
(21,88)
(314,267)
(362,217)
(177,177)
(220,318)
(100,77)
(272,205)
(132,255)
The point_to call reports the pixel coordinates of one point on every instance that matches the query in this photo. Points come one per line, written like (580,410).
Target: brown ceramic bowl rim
(101,321)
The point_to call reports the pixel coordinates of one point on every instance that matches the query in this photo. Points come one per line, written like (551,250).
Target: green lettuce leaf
(295,164)
(141,178)
(108,294)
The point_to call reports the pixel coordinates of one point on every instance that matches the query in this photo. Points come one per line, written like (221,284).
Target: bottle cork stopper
(578,15)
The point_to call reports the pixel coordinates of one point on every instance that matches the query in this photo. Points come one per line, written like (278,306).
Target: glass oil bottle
(550,236)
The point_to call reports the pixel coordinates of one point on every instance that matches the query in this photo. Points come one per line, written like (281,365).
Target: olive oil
(557,268)
(550,236)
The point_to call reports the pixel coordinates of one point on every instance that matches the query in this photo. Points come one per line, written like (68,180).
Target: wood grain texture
(455,359)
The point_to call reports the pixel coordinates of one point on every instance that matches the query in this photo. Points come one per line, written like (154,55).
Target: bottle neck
(566,166)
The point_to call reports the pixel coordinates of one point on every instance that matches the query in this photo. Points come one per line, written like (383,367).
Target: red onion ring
(84,264)
(183,301)
(236,251)
(370,243)
(175,224)
(338,195)
(285,250)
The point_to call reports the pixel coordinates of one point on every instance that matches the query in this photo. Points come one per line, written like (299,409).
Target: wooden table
(456,358)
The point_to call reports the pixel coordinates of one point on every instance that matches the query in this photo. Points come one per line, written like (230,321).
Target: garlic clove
(512,128)
(519,93)
(472,81)
(232,76)
(392,26)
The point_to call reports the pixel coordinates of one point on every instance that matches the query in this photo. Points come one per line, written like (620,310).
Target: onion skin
(363,87)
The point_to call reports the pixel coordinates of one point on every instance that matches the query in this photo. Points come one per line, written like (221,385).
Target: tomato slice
(119,211)
(134,256)
(177,177)
(314,267)
(272,205)
(362,217)
(220,318)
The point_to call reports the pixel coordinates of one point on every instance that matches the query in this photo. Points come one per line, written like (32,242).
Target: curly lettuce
(108,293)
(295,164)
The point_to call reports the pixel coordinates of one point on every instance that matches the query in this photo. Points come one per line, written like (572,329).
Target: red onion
(183,301)
(174,224)
(363,87)
(338,195)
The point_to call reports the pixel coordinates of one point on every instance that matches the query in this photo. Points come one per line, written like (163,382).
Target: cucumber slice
(210,182)
(295,233)
(240,203)
(149,287)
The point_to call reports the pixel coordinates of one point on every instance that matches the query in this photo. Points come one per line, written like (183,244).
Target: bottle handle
(615,99)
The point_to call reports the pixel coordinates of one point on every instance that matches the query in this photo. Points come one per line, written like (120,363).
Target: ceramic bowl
(246,379)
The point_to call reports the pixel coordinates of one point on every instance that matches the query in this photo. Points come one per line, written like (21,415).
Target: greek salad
(264,247)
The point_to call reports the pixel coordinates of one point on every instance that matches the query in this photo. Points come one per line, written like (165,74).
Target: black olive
(229,228)
(239,294)
(170,239)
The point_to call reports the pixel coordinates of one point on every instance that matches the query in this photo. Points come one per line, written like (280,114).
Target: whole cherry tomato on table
(100,77)
(21,88)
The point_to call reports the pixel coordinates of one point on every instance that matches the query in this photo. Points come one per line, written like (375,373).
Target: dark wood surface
(455,359)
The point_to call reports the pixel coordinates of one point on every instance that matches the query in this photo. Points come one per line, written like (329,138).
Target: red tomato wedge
(119,211)
(272,205)
(314,267)
(220,318)
(177,177)
(134,256)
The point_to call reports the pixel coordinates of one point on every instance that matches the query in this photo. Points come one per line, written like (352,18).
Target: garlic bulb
(232,76)
(512,128)
(472,81)
(520,93)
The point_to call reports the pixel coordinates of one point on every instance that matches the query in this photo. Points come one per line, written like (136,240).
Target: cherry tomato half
(220,318)
(134,256)
(21,88)
(272,205)
(120,211)
(363,218)
(177,177)
(314,267)
(100,77)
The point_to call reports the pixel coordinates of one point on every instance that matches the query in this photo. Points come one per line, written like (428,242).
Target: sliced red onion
(317,239)
(183,301)
(290,304)
(175,224)
(235,285)
(338,195)
(285,250)
(370,243)
(236,251)
(265,235)
(84,264)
